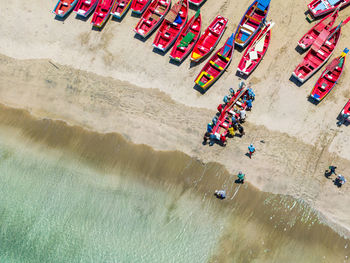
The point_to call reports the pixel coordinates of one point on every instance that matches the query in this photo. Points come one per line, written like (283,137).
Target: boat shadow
(312,100)
(195,64)
(60,18)
(295,81)
(133,14)
(340,118)
(239,49)
(196,7)
(175,62)
(83,18)
(116,19)
(199,89)
(243,76)
(159,52)
(300,50)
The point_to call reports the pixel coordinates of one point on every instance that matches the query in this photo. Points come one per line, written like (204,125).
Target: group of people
(239,102)
(339,180)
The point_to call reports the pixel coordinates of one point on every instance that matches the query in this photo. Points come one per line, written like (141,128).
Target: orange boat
(102,12)
(63,7)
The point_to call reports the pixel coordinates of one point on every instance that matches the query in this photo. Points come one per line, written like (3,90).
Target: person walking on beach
(251,150)
(240,176)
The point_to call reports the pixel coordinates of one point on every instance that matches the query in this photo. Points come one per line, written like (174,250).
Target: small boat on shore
(152,17)
(329,77)
(139,6)
(255,51)
(320,52)
(209,39)
(325,24)
(251,22)
(196,2)
(172,25)
(322,7)
(187,38)
(63,7)
(346,110)
(85,7)
(120,8)
(102,12)
(216,65)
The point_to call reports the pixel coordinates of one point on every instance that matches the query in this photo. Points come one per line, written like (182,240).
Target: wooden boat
(326,23)
(120,8)
(172,25)
(322,7)
(320,52)
(329,77)
(251,22)
(210,38)
(196,2)
(187,38)
(63,7)
(102,12)
(216,65)
(346,110)
(255,51)
(85,7)
(139,6)
(152,17)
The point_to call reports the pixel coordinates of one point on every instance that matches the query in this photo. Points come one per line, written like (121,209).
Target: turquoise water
(56,210)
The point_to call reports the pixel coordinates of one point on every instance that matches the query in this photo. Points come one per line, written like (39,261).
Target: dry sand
(139,94)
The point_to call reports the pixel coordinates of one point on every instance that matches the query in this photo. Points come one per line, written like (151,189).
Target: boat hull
(64,7)
(120,8)
(322,7)
(84,10)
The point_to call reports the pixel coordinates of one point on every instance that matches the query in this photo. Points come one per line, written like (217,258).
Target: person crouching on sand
(240,179)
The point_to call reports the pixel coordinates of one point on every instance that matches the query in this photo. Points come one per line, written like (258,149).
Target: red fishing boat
(85,7)
(139,6)
(172,25)
(322,7)
(152,17)
(209,39)
(329,77)
(320,52)
(346,110)
(120,8)
(326,23)
(216,65)
(251,22)
(63,7)
(255,51)
(197,2)
(102,12)
(187,38)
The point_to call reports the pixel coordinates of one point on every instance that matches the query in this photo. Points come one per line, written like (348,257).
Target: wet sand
(259,226)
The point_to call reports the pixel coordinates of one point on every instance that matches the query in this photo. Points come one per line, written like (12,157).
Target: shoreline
(279,218)
(151,117)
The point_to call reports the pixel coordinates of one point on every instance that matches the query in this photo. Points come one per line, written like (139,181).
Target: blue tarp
(263,4)
(228,45)
(178,20)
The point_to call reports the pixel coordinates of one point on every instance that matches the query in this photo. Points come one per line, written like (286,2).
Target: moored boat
(172,25)
(216,65)
(329,77)
(196,2)
(63,7)
(187,38)
(152,17)
(85,7)
(255,50)
(139,6)
(102,12)
(209,39)
(320,52)
(120,8)
(326,23)
(251,22)
(346,110)
(322,7)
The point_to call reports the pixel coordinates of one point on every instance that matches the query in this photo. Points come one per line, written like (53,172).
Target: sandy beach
(109,81)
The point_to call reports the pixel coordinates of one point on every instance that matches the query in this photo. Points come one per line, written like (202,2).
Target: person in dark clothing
(241,130)
(331,171)
(206,138)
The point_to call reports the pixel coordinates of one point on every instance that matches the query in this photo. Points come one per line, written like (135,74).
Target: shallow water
(72,195)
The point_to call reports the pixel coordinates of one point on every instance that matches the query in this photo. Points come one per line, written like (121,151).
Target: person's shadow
(327,174)
(337,182)
(239,181)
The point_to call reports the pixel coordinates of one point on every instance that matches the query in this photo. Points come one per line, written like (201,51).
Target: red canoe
(322,7)
(255,51)
(102,12)
(196,2)
(172,25)
(120,8)
(152,17)
(187,38)
(216,65)
(329,77)
(346,110)
(251,22)
(63,7)
(326,23)
(319,53)
(139,6)
(210,38)
(85,7)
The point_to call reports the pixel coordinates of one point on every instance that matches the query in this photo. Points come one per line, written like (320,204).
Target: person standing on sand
(251,150)
(231,131)
(241,130)
(240,176)
(206,138)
